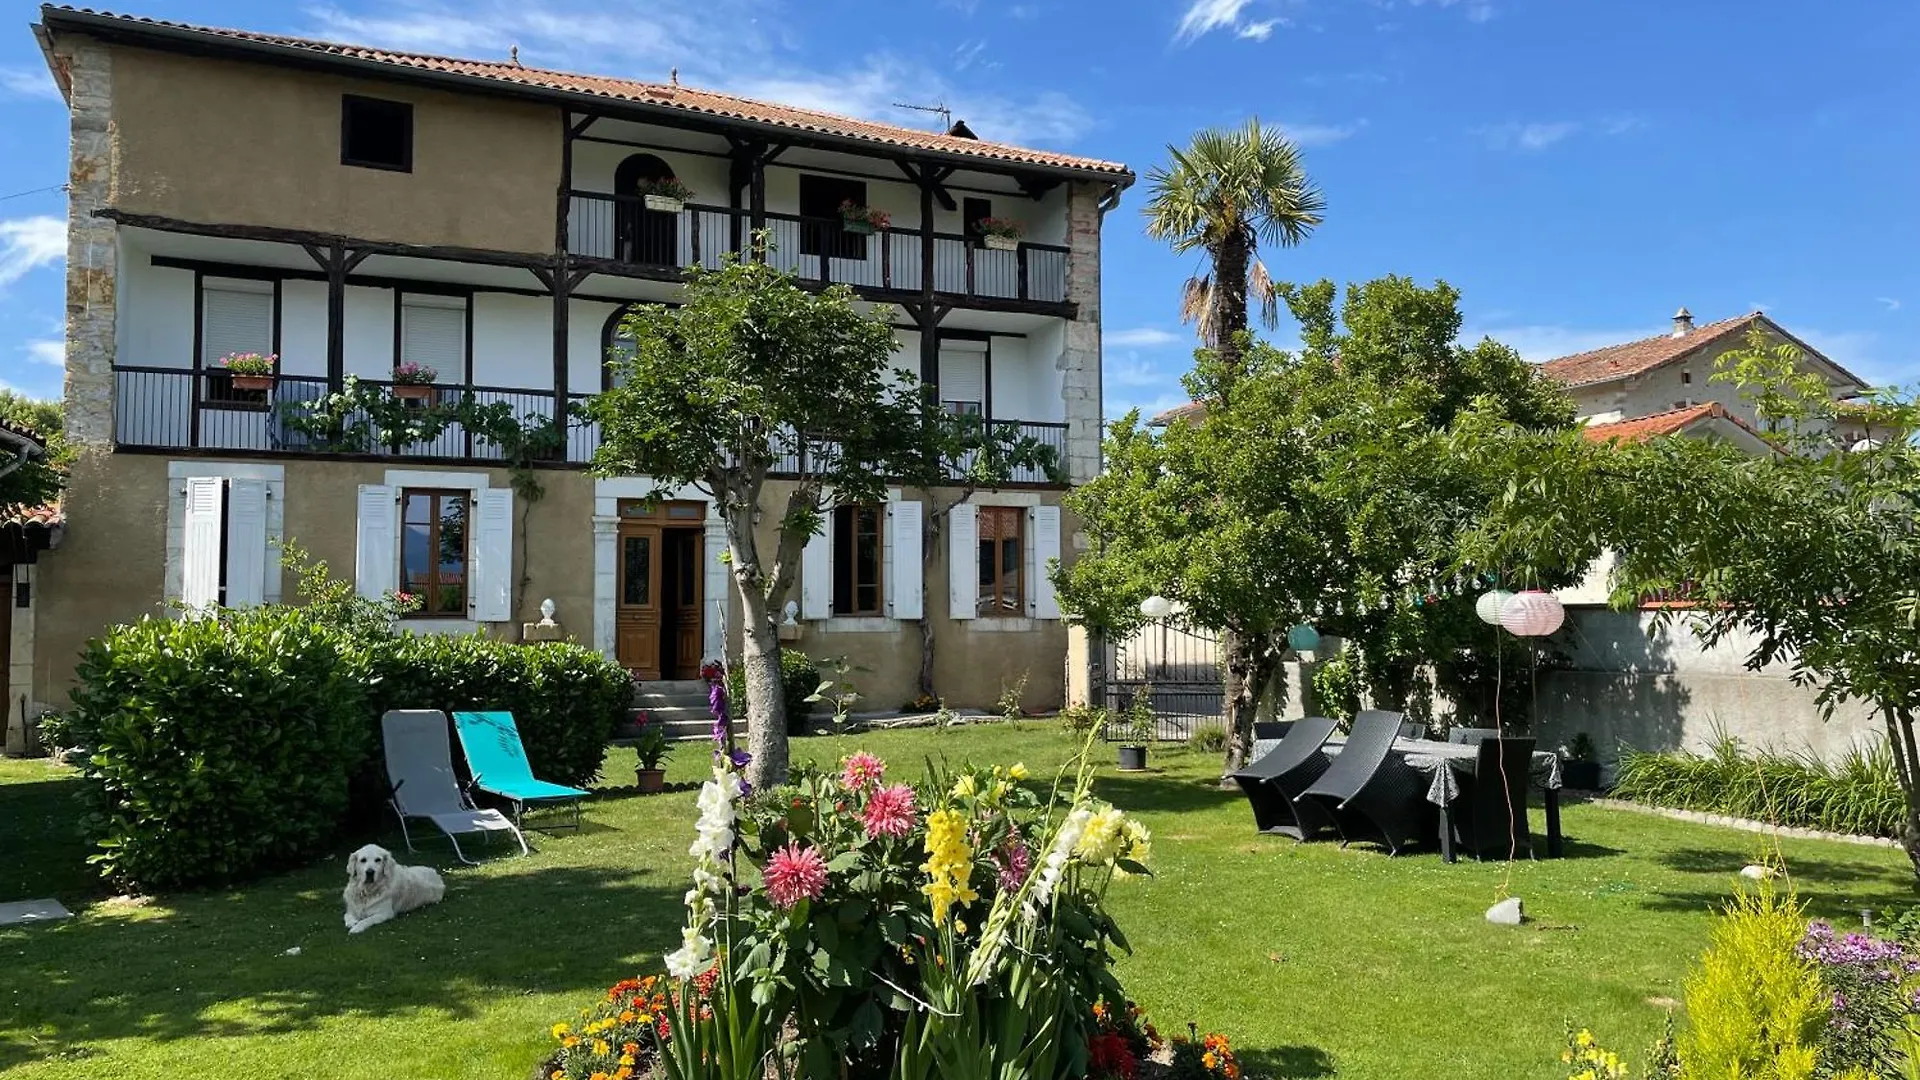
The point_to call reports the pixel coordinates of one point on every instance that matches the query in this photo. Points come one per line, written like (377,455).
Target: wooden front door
(637,598)
(659,630)
(684,576)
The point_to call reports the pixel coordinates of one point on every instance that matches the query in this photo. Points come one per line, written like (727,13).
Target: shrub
(566,700)
(799,678)
(1081,720)
(1859,795)
(215,748)
(1754,1004)
(1209,739)
(1336,687)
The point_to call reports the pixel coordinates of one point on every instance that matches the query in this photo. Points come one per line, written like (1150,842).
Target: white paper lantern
(1156,607)
(1533,614)
(1489,606)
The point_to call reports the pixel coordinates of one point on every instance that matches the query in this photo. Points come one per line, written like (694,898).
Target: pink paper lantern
(1532,613)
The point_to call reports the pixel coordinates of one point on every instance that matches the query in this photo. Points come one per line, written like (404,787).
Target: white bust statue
(546,612)
(792,610)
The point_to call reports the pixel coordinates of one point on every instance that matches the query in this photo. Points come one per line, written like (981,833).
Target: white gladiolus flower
(691,957)
(1054,866)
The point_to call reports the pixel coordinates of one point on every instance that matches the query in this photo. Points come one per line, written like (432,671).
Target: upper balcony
(890,260)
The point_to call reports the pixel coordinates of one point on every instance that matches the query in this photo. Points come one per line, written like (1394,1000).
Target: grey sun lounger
(1367,795)
(420,769)
(1285,771)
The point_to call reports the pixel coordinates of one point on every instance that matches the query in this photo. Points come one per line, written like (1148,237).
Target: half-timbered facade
(357,212)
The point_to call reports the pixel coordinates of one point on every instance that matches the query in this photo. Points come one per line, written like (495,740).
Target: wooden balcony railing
(620,228)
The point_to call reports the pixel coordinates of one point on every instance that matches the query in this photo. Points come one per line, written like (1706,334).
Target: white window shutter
(1044,532)
(903,537)
(433,332)
(491,569)
(200,546)
(246,543)
(816,573)
(963,561)
(376,542)
(235,317)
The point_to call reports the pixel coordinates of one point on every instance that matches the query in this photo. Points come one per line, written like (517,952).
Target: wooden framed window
(435,556)
(858,547)
(1002,557)
(376,134)
(821,233)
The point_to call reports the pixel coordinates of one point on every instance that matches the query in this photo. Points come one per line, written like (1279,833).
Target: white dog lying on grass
(379,888)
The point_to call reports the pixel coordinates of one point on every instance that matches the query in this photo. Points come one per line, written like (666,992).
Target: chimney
(960,130)
(1682,323)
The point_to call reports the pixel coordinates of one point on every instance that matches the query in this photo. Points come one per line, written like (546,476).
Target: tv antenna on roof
(946,114)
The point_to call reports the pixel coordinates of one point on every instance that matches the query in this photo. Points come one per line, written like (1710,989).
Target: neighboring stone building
(352,209)
(1631,680)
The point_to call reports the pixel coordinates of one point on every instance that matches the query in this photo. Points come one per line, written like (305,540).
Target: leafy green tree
(1329,488)
(1225,194)
(1812,552)
(751,372)
(32,477)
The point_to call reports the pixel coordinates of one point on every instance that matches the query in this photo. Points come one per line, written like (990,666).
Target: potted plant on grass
(667,194)
(1580,764)
(1000,234)
(1136,729)
(650,749)
(250,371)
(413,382)
(863,219)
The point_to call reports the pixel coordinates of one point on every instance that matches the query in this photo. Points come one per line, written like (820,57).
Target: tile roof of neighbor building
(51,514)
(1186,411)
(661,96)
(1637,357)
(1670,422)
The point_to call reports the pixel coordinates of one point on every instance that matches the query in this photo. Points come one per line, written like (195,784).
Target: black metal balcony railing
(621,229)
(159,408)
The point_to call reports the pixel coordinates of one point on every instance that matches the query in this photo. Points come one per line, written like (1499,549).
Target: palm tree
(1227,193)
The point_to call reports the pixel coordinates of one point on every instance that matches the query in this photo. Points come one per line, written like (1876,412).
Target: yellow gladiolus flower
(965,787)
(1018,771)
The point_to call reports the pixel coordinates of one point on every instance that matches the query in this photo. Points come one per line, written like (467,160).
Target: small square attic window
(376,134)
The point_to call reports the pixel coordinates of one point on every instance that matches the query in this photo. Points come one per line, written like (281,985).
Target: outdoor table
(1444,764)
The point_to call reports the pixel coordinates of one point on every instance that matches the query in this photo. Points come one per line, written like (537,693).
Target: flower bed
(851,924)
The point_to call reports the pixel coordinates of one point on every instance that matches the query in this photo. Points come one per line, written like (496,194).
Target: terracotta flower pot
(413,391)
(253,382)
(650,781)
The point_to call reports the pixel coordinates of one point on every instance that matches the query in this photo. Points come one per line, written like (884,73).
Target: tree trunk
(1900,741)
(1240,696)
(766,710)
(1229,300)
(929,540)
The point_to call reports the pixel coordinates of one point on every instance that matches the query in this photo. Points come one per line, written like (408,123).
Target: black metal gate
(1178,667)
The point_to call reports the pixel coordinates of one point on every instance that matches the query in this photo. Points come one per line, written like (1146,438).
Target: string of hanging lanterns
(1527,613)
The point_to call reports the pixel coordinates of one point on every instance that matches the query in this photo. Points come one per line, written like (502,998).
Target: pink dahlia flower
(889,811)
(795,873)
(861,771)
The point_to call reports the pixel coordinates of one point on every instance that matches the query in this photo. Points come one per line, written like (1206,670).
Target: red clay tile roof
(1191,410)
(49,514)
(1670,422)
(21,431)
(1620,361)
(652,95)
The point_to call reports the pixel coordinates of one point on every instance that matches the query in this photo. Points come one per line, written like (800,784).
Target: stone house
(350,210)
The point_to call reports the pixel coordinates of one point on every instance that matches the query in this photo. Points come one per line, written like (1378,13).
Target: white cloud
(1139,337)
(1205,16)
(1321,134)
(1476,11)
(1528,137)
(1257,31)
(967,53)
(1892,304)
(52,352)
(1620,125)
(29,243)
(28,83)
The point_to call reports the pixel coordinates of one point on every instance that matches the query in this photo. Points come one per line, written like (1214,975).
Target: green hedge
(566,700)
(1859,795)
(217,748)
(799,678)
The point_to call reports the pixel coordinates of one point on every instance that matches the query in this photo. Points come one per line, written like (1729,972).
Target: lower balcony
(162,410)
(621,229)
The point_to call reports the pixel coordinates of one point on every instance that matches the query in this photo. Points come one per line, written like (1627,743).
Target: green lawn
(1320,962)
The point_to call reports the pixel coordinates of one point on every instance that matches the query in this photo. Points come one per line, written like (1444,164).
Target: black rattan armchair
(1490,816)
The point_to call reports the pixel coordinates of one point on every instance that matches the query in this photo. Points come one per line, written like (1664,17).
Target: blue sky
(1578,168)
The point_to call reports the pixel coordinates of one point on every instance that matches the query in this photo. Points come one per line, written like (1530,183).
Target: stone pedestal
(535,632)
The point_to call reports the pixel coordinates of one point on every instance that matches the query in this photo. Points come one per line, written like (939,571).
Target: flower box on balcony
(863,220)
(1000,243)
(258,383)
(666,195)
(663,203)
(421,392)
(1000,234)
(250,371)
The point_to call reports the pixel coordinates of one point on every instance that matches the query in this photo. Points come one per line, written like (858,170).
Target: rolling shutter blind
(235,317)
(492,595)
(963,375)
(963,561)
(433,333)
(200,541)
(903,538)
